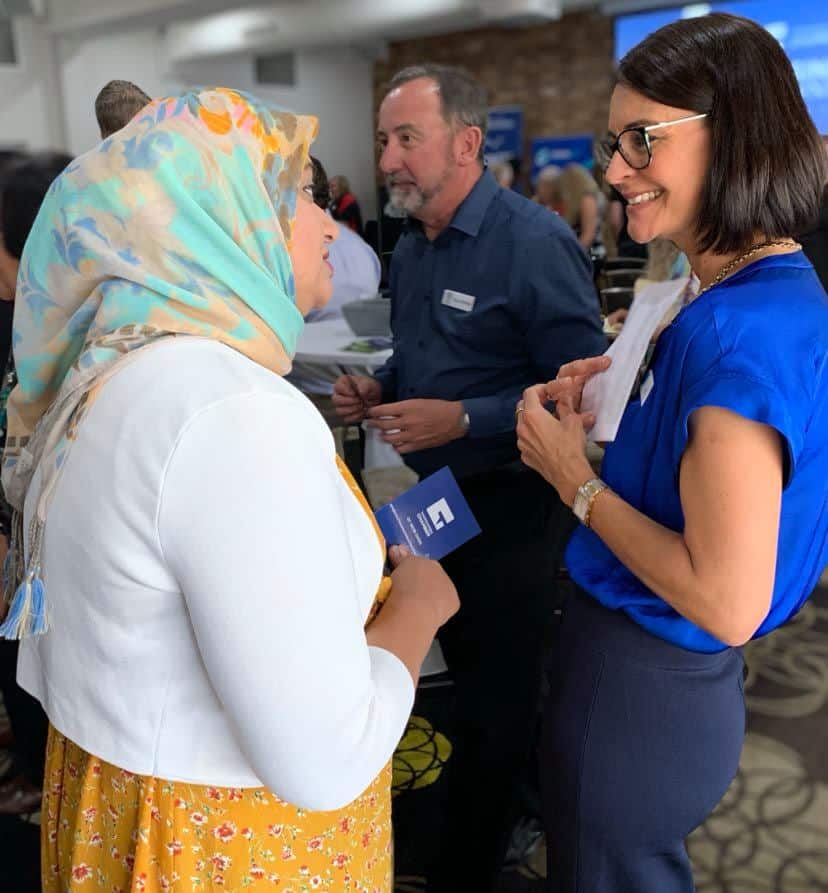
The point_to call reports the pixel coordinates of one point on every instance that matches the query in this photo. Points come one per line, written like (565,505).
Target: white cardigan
(209,573)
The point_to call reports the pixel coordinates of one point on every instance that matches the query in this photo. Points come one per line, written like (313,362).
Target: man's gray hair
(463,99)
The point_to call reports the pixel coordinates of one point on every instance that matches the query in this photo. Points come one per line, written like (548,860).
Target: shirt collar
(469,215)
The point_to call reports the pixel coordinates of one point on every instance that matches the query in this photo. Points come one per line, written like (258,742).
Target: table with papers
(324,343)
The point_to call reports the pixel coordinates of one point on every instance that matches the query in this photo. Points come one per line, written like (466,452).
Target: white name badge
(646,387)
(458,300)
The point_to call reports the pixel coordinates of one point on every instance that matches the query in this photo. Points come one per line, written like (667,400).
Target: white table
(322,343)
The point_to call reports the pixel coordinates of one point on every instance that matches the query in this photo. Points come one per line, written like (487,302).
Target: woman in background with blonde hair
(504,173)
(665,261)
(547,189)
(583,207)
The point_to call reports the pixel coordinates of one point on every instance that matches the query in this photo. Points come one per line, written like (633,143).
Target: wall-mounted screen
(801,26)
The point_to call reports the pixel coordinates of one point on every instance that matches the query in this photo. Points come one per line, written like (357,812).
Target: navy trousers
(641,740)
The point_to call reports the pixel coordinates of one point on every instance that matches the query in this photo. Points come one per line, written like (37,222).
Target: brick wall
(560,72)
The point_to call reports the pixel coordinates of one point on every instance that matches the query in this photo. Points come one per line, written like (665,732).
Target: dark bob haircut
(24,187)
(769,166)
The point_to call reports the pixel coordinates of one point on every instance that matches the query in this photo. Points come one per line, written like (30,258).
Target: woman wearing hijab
(198,570)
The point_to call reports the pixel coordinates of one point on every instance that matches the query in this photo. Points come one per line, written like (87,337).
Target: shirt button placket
(428,277)
(425,317)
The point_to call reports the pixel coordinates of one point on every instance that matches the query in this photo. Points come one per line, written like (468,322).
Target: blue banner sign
(561,151)
(504,140)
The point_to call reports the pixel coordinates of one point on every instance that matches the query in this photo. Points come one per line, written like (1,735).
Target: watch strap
(585,497)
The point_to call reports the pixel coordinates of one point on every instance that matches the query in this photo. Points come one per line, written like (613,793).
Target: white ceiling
(204,28)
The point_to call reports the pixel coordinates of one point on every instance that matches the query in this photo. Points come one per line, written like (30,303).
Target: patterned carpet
(770,833)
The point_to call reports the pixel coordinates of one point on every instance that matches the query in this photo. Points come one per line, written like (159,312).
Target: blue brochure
(432,518)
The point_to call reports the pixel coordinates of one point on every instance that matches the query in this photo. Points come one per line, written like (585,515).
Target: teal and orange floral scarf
(179,224)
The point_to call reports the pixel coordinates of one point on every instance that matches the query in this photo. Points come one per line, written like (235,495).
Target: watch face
(585,493)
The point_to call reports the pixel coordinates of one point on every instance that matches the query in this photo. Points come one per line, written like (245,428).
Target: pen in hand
(355,390)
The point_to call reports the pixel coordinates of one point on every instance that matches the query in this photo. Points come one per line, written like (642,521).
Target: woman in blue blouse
(710,526)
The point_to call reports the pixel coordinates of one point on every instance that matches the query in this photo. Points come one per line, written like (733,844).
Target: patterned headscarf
(179,224)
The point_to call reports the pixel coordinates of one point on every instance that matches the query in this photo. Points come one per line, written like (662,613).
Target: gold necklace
(754,249)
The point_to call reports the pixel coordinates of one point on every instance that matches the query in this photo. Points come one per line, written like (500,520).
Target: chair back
(625,263)
(616,298)
(623,278)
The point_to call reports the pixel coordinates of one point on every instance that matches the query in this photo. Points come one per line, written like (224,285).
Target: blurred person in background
(582,206)
(117,104)
(665,262)
(504,173)
(23,186)
(8,276)
(547,189)
(344,206)
(7,160)
(617,213)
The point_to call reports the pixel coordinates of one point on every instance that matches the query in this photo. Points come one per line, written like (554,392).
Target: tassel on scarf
(27,613)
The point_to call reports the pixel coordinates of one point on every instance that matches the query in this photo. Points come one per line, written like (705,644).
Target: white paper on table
(606,395)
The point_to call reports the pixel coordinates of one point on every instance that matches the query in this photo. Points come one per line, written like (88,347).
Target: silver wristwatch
(585,497)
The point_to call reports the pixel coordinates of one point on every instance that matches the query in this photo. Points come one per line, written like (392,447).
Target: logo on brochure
(440,514)
(432,518)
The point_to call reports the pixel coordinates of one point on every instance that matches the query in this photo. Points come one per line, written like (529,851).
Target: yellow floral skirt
(106,829)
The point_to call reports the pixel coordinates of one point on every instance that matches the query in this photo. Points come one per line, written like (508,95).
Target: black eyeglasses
(633,144)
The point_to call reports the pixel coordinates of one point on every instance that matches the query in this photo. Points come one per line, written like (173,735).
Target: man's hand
(353,395)
(413,425)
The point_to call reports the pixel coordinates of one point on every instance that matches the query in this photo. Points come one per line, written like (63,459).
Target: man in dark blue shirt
(490,294)
(500,298)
